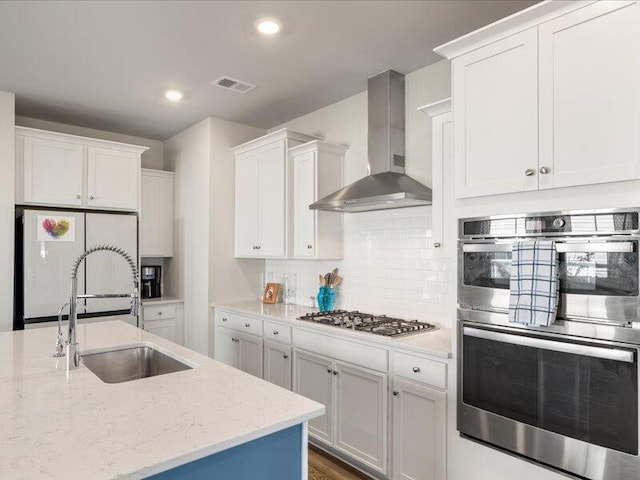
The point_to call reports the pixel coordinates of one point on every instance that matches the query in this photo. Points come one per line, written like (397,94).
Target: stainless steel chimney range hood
(386,186)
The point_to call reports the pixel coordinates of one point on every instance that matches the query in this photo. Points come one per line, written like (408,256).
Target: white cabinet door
(590,95)
(304,219)
(226,346)
(246,214)
(250,354)
(156,214)
(108,272)
(496,106)
(163,328)
(314,380)
(277,364)
(361,414)
(419,432)
(272,208)
(113,178)
(52,172)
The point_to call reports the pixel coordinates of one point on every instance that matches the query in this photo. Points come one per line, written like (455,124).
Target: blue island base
(274,457)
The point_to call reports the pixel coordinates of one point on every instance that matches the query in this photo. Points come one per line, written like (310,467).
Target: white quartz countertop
(78,427)
(161,300)
(435,342)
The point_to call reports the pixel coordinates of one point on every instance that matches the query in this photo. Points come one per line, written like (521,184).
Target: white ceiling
(105,64)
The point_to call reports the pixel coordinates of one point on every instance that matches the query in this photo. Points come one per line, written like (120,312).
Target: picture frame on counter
(270,293)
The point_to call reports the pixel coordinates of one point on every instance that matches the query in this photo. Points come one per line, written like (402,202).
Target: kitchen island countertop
(436,342)
(79,427)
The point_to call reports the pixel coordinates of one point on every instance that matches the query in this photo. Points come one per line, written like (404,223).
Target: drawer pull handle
(335,372)
(233,339)
(247,325)
(286,356)
(275,332)
(396,393)
(529,172)
(159,313)
(329,371)
(224,319)
(436,245)
(416,369)
(78,197)
(309,247)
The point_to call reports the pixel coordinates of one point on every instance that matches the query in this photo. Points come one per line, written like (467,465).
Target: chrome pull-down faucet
(73,352)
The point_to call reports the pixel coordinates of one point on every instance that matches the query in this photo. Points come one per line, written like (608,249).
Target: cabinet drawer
(277,332)
(239,322)
(336,348)
(159,312)
(420,369)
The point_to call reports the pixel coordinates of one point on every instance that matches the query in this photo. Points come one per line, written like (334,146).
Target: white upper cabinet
(262,199)
(548,98)
(113,177)
(317,172)
(590,95)
(55,169)
(52,171)
(156,214)
(495,91)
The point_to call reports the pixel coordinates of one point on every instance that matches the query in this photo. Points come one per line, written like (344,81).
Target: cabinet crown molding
(519,21)
(282,134)
(77,139)
(319,145)
(158,173)
(437,108)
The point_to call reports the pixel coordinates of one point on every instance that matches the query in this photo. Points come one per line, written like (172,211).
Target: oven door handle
(605,247)
(556,346)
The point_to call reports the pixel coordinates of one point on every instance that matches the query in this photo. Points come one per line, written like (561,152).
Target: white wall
(378,243)
(230,279)
(7,201)
(187,276)
(203,269)
(152,158)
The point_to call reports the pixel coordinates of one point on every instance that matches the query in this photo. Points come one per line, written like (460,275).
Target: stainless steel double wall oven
(564,395)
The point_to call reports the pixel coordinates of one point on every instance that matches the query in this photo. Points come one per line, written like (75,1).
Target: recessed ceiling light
(174,95)
(268,26)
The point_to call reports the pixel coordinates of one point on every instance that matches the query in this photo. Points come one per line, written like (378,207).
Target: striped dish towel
(533,298)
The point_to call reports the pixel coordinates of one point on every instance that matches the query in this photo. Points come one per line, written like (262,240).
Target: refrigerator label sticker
(53,228)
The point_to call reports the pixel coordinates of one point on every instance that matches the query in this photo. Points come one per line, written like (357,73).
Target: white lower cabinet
(419,432)
(239,350)
(277,364)
(164,320)
(355,400)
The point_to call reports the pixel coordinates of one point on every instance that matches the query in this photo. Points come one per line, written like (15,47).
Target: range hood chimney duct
(386,186)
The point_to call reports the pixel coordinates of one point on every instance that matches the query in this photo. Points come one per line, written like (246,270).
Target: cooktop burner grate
(366,322)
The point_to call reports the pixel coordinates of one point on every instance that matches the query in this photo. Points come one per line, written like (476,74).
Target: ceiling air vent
(234,85)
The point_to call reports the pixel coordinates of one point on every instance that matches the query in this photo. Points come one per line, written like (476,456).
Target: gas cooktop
(366,322)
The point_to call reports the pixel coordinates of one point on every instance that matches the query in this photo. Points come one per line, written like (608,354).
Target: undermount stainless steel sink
(124,364)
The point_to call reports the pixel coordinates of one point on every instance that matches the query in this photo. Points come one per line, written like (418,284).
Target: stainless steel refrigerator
(48,241)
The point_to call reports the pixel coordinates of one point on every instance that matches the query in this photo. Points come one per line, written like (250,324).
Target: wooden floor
(332,467)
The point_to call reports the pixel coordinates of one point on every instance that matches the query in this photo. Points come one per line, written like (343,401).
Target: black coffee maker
(151,281)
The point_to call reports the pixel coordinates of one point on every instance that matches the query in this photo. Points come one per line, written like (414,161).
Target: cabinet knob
(396,393)
(78,197)
(335,372)
(436,244)
(416,369)
(247,325)
(258,247)
(286,356)
(529,172)
(309,247)
(224,319)
(159,313)
(92,197)
(329,370)
(544,170)
(233,339)
(275,332)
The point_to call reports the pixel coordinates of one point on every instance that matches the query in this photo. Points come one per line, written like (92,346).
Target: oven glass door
(590,268)
(581,390)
